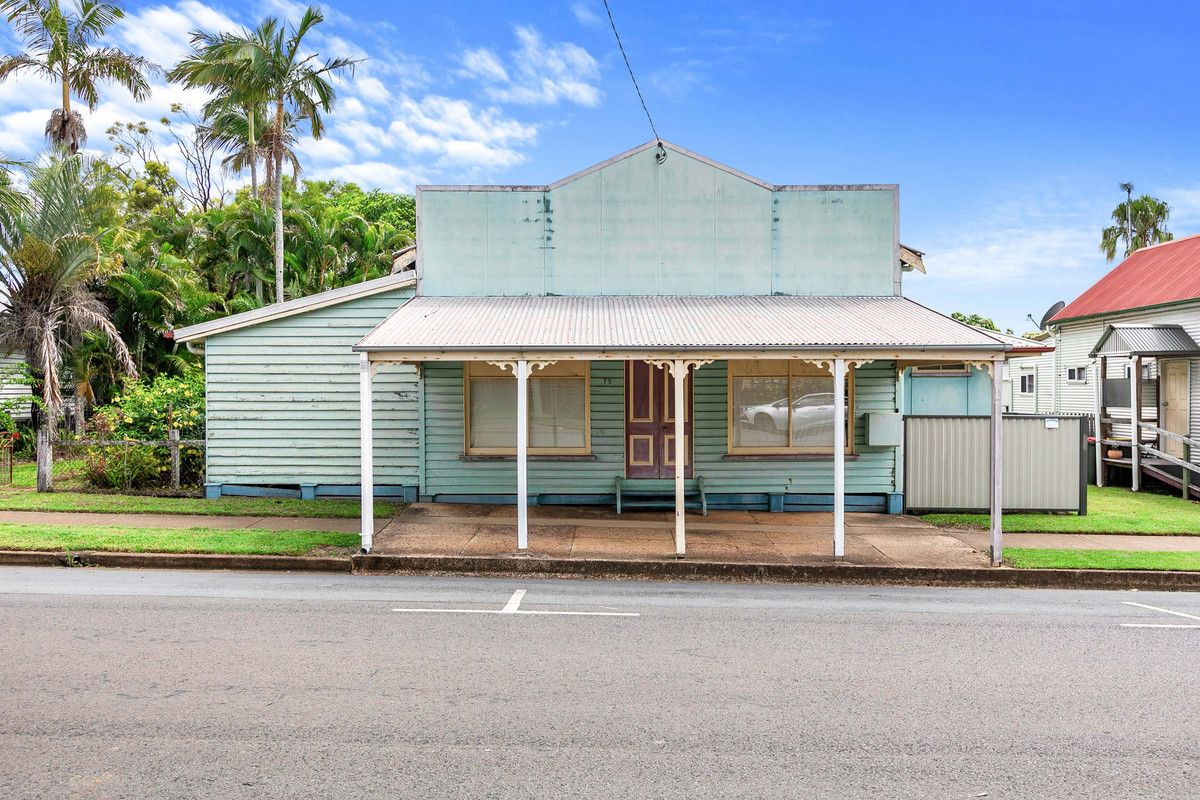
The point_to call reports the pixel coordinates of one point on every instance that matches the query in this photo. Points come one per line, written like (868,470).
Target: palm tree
(1138,222)
(235,117)
(47,260)
(60,46)
(233,130)
(269,62)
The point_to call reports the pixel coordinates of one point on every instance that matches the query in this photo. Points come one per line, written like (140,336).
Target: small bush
(148,411)
(127,466)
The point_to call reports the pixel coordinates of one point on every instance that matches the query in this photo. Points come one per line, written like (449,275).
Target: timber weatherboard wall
(966,395)
(685,227)
(449,474)
(282,401)
(1075,340)
(13,391)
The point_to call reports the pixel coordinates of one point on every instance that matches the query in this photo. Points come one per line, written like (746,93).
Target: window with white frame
(1027,383)
(783,407)
(559,401)
(955,369)
(1077,374)
(1145,371)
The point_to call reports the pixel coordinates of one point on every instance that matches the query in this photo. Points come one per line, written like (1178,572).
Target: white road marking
(518,613)
(513,606)
(1163,610)
(1151,625)
(514,602)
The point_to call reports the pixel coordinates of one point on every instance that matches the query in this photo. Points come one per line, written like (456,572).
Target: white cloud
(324,149)
(1184,202)
(584,14)
(544,74)
(482,63)
(371,89)
(373,175)
(459,134)
(163,33)
(396,121)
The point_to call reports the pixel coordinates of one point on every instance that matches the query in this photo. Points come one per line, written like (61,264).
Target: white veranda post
(1135,417)
(679,370)
(1098,416)
(839,458)
(522,373)
(367,466)
(995,509)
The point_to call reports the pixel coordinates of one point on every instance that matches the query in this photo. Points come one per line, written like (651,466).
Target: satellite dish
(1050,312)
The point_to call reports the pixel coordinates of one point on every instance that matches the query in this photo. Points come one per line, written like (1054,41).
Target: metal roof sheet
(437,324)
(1020,344)
(1145,340)
(1156,275)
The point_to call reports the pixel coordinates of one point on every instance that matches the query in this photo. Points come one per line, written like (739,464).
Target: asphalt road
(128,684)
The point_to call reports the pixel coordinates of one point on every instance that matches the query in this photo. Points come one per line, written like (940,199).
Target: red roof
(1162,273)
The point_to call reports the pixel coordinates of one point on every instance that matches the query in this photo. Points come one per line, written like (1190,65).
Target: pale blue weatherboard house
(610,296)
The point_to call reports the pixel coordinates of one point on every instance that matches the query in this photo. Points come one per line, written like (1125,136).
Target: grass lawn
(25,473)
(15,536)
(1109,510)
(1031,558)
(25,477)
(25,500)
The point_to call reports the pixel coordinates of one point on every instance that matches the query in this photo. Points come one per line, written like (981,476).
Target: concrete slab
(911,551)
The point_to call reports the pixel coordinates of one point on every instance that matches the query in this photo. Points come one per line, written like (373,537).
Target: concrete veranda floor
(726,536)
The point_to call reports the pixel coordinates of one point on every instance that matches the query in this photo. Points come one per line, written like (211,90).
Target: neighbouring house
(1133,334)
(959,389)
(12,390)
(658,329)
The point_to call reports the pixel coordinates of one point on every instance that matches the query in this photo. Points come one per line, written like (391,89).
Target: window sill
(785,457)
(581,457)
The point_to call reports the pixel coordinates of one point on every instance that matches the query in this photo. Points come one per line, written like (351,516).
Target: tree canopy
(1137,223)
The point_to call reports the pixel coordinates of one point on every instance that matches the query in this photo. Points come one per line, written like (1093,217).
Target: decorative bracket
(530,366)
(986,366)
(669,364)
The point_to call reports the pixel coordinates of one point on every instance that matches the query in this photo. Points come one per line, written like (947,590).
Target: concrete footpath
(593,543)
(454,524)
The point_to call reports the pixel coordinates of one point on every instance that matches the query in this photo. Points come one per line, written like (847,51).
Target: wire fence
(164,466)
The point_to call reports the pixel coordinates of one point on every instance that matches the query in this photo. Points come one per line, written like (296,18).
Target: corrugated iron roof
(1145,340)
(1019,344)
(656,322)
(1155,275)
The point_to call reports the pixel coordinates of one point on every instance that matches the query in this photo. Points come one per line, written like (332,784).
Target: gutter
(864,348)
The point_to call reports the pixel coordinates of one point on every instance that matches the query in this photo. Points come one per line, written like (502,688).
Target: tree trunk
(45,455)
(253,152)
(278,159)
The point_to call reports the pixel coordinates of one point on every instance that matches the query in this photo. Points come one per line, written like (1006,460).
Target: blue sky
(1008,125)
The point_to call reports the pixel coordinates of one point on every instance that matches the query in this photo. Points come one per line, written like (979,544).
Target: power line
(613,23)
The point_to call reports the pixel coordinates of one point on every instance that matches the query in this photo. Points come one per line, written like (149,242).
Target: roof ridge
(1159,244)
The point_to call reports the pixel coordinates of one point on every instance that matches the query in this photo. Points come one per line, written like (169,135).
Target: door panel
(650,422)
(1175,379)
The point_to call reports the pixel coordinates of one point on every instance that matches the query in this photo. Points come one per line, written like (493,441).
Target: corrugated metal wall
(947,463)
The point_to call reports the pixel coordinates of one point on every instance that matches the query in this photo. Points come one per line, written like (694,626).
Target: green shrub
(127,466)
(149,410)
